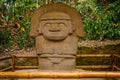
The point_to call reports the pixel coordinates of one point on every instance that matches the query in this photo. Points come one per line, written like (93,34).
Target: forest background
(101,20)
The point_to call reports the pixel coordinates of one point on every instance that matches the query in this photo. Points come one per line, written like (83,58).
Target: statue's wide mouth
(57,30)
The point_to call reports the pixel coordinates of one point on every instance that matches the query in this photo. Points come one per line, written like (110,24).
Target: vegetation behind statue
(101,20)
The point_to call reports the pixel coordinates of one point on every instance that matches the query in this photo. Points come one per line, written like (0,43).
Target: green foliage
(100,21)
(5,39)
(23,39)
(17,11)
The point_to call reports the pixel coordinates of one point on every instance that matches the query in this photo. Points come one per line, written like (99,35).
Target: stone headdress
(77,25)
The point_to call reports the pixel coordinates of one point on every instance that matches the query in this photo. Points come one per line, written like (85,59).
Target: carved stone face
(55,26)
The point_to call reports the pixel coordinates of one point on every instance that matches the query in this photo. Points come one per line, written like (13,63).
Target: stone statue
(56,1)
(56,29)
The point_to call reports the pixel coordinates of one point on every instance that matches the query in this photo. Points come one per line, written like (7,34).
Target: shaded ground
(99,47)
(96,43)
(88,47)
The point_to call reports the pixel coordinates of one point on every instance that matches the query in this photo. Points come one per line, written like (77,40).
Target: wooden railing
(112,57)
(112,66)
(14,67)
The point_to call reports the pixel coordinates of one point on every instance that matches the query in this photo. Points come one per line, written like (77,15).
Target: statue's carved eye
(47,25)
(61,25)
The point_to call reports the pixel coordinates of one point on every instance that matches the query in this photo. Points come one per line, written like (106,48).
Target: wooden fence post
(112,62)
(13,63)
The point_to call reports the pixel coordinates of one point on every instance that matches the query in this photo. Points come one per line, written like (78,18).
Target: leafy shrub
(19,12)
(100,21)
(5,39)
(22,38)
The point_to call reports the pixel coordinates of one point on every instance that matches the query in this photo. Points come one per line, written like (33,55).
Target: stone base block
(56,63)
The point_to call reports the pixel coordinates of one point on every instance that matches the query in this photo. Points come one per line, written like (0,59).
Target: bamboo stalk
(23,56)
(78,56)
(4,58)
(116,67)
(116,55)
(5,69)
(77,67)
(59,74)
(93,56)
(26,67)
(13,63)
(93,67)
(112,62)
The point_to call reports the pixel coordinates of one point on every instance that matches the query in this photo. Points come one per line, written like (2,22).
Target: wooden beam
(112,62)
(26,67)
(93,56)
(93,67)
(4,58)
(5,69)
(13,63)
(60,75)
(116,55)
(117,68)
(25,56)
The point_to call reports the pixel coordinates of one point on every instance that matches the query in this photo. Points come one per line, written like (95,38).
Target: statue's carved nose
(54,28)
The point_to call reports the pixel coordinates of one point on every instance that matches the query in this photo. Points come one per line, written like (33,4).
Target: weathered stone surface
(56,28)
(75,18)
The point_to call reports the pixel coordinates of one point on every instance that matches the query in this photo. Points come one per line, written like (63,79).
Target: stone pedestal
(56,62)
